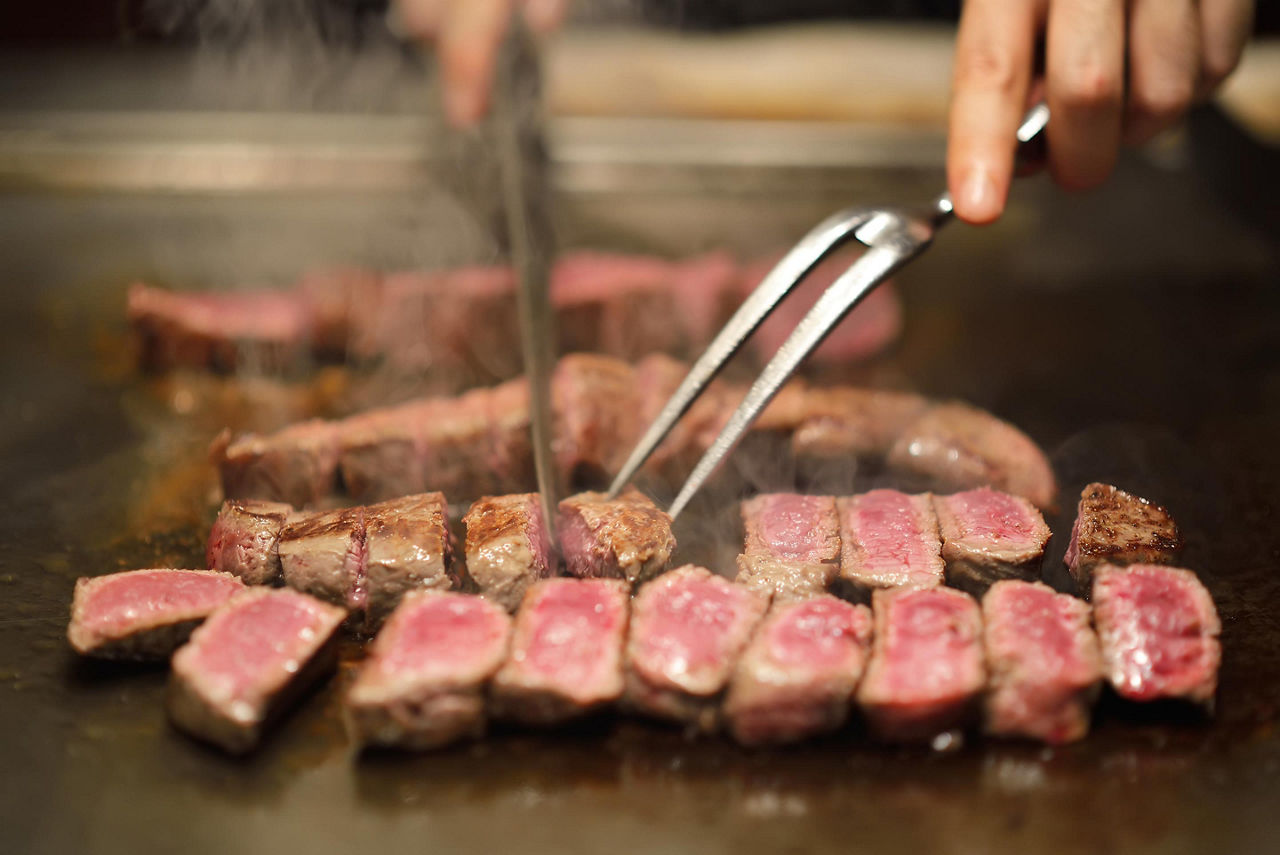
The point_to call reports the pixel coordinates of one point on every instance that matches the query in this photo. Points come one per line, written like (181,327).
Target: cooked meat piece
(688,628)
(1043,660)
(889,540)
(566,651)
(656,379)
(297,465)
(457,445)
(144,614)
(1158,630)
(510,450)
(508,547)
(334,297)
(323,555)
(1115,527)
(381,452)
(988,536)
(797,676)
(407,547)
(624,538)
(926,670)
(594,402)
(423,683)
(792,546)
(244,538)
(840,422)
(250,660)
(957,447)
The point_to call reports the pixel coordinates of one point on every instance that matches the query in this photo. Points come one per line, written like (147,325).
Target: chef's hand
(1115,71)
(467,34)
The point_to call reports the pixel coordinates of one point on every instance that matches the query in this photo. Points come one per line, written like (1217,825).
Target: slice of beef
(593,398)
(510,461)
(381,452)
(987,536)
(797,676)
(926,670)
(688,628)
(956,447)
(407,547)
(1115,527)
(144,614)
(1158,630)
(423,683)
(333,297)
(248,662)
(244,540)
(840,422)
(656,379)
(889,539)
(297,465)
(323,554)
(593,290)
(792,546)
(1043,660)
(566,651)
(624,538)
(457,443)
(508,547)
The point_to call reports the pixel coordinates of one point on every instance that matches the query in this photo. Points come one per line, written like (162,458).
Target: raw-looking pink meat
(988,536)
(889,540)
(792,546)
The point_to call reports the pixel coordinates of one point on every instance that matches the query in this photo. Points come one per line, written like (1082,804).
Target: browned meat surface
(323,555)
(594,401)
(381,453)
(244,539)
(792,546)
(864,423)
(297,465)
(407,547)
(988,536)
(508,547)
(624,538)
(1115,527)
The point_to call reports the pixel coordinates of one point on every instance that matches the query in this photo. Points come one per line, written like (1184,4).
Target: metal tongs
(893,237)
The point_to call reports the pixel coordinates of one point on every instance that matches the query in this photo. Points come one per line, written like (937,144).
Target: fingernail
(977,199)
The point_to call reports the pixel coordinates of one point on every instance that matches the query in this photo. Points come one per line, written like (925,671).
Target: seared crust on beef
(624,538)
(297,465)
(1115,527)
(508,547)
(323,555)
(407,546)
(244,540)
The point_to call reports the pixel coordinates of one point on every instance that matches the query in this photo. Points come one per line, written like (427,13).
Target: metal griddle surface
(1166,380)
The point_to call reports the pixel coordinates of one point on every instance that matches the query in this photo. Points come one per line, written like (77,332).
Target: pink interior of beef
(687,623)
(539,538)
(356,564)
(578,546)
(888,527)
(255,642)
(1039,627)
(573,622)
(148,596)
(991,515)
(931,646)
(441,636)
(1158,627)
(793,526)
(818,633)
(1073,546)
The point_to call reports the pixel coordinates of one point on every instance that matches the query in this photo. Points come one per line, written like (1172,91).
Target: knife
(528,236)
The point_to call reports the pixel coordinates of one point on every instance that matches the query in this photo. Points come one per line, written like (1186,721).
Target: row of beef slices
(477,444)
(462,322)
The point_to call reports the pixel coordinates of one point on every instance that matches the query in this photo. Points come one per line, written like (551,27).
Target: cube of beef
(1158,630)
(926,670)
(423,683)
(988,536)
(797,676)
(843,422)
(248,662)
(1043,660)
(889,540)
(688,629)
(624,538)
(407,547)
(381,452)
(510,448)
(456,443)
(508,547)
(297,465)
(957,447)
(144,614)
(566,651)
(323,554)
(594,403)
(792,546)
(244,540)
(1115,527)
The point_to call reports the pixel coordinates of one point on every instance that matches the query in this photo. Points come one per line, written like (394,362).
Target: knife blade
(528,236)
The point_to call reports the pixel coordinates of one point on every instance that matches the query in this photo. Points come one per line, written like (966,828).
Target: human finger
(470,36)
(1164,65)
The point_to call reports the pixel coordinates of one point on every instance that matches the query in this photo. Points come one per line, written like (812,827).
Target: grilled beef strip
(1115,527)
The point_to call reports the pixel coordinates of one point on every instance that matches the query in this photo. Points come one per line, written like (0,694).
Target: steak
(1115,527)
(508,547)
(840,422)
(566,651)
(423,683)
(1158,630)
(792,546)
(889,540)
(297,465)
(1043,660)
(323,555)
(381,453)
(457,445)
(957,447)
(624,538)
(688,628)
(926,670)
(510,459)
(244,540)
(988,536)
(407,547)
(250,660)
(797,676)
(593,400)
(144,614)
